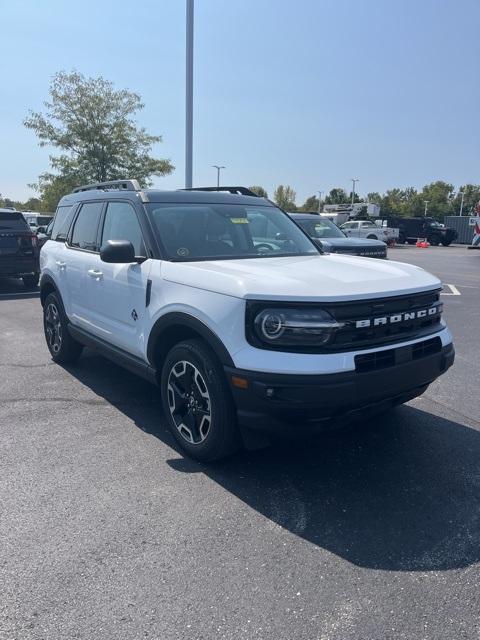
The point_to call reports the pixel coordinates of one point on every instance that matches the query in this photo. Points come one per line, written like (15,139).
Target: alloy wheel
(53,328)
(189,402)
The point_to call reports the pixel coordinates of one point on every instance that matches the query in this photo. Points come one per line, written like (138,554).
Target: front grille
(361,251)
(355,336)
(390,357)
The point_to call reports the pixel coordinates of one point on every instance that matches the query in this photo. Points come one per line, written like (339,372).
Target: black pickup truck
(411,229)
(19,253)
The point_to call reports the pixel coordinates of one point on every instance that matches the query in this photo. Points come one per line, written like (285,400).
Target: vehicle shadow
(401,493)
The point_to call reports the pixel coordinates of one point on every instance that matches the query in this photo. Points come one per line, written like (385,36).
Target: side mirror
(280,236)
(118,252)
(41,230)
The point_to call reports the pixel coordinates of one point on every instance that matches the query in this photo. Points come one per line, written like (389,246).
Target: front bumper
(291,404)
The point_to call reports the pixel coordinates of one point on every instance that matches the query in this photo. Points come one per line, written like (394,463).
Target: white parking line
(453,289)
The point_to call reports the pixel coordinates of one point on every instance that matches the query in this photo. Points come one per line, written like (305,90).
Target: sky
(308,93)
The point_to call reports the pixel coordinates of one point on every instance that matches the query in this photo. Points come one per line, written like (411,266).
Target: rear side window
(121,223)
(85,229)
(61,223)
(13,221)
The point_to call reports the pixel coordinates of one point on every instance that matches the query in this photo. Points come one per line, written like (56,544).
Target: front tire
(197,402)
(63,348)
(434,241)
(446,243)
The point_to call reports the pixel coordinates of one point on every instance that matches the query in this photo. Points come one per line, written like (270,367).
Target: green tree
(471,195)
(438,194)
(337,196)
(285,196)
(310,204)
(260,191)
(92,125)
(374,197)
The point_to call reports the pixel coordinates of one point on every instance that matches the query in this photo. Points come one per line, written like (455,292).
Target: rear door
(80,253)
(117,292)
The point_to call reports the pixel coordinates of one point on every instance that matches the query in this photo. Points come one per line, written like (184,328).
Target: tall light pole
(218,168)
(462,193)
(320,201)
(426,207)
(189,96)
(354,181)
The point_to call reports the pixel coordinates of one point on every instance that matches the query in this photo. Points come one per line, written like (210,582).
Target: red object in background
(422,244)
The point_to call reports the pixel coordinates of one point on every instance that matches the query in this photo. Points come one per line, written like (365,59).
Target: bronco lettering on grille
(398,317)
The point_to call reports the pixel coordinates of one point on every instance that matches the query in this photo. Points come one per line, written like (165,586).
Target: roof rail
(122,185)
(113,185)
(241,191)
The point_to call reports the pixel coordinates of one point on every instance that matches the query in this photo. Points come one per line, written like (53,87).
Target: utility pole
(462,193)
(320,201)
(426,207)
(189,95)
(354,181)
(218,168)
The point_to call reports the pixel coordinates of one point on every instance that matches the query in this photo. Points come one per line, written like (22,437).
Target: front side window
(121,223)
(211,231)
(84,234)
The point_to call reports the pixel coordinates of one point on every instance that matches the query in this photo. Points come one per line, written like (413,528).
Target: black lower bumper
(14,267)
(292,403)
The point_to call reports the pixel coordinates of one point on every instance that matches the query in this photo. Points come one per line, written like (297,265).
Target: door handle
(94,273)
(60,264)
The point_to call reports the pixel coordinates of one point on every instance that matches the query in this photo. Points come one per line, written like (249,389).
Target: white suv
(224,302)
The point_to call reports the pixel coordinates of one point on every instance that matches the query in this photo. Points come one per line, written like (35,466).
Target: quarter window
(84,234)
(61,223)
(121,223)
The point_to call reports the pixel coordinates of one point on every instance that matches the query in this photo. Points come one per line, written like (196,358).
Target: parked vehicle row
(227,305)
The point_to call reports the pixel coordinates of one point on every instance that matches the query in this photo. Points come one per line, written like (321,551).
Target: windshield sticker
(239,220)
(183,251)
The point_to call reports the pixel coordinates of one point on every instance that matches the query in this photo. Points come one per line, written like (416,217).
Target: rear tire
(197,402)
(31,280)
(372,237)
(446,243)
(63,348)
(434,241)
(411,241)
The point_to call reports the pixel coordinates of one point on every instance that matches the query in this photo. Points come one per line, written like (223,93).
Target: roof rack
(241,191)
(122,185)
(114,185)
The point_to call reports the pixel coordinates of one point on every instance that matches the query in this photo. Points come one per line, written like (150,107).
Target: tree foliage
(260,191)
(93,127)
(337,196)
(310,204)
(284,196)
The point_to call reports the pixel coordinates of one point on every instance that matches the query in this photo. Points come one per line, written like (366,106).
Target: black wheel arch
(47,286)
(174,327)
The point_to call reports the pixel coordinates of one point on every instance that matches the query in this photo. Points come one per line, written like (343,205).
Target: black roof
(303,215)
(182,196)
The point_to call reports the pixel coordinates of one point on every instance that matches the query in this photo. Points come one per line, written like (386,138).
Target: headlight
(285,326)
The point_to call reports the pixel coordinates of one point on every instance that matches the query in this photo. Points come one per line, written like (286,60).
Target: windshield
(12,221)
(224,231)
(318,228)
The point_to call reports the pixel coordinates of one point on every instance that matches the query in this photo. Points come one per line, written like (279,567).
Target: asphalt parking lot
(370,533)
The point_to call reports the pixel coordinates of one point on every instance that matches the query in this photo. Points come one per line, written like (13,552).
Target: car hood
(351,242)
(309,278)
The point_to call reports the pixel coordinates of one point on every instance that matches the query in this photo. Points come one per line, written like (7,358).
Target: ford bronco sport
(224,302)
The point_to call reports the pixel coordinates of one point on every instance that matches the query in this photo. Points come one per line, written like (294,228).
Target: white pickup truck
(368,229)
